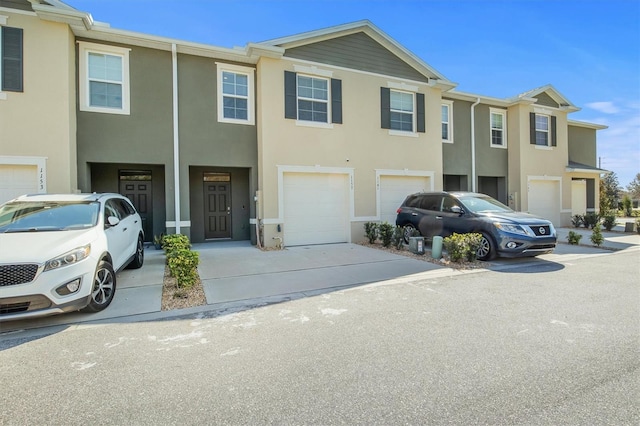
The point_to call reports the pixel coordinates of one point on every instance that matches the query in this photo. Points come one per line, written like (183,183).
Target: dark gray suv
(505,232)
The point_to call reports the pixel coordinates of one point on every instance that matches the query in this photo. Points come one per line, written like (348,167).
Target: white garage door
(17,180)
(544,199)
(393,191)
(316,208)
(578,197)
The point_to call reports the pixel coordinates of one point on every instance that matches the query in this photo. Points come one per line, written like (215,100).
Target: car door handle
(438,217)
(414,214)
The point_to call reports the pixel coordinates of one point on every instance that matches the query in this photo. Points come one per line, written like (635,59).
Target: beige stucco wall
(527,161)
(40,122)
(359,144)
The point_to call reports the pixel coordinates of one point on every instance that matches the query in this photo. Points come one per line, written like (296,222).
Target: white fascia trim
(39,162)
(349,171)
(351,70)
(404,172)
(587,125)
(588,171)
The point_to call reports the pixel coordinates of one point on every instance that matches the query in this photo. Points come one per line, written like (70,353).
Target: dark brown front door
(217,205)
(136,186)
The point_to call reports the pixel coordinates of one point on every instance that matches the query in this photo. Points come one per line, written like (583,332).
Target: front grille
(17,274)
(14,305)
(541,231)
(13,308)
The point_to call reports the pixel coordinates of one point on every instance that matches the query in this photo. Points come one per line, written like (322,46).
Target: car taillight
(399,210)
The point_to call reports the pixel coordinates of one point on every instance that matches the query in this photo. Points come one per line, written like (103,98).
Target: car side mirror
(112,221)
(457,210)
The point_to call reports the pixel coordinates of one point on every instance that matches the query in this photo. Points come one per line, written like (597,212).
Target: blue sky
(589,50)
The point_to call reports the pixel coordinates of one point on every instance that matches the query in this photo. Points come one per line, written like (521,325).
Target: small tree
(609,220)
(371,231)
(609,189)
(386,231)
(574,238)
(634,187)
(596,237)
(627,206)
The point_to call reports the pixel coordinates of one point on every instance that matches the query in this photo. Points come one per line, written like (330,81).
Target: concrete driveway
(237,273)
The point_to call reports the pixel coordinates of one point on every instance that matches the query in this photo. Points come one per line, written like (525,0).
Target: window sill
(447,141)
(105,110)
(231,121)
(403,134)
(544,147)
(315,124)
(499,146)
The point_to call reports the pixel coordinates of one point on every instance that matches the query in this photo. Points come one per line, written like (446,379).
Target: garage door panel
(315,208)
(16,180)
(544,199)
(393,191)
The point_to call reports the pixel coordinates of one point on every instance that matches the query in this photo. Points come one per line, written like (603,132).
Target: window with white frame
(104,78)
(235,94)
(498,124)
(313,99)
(447,121)
(542,130)
(11,58)
(401,111)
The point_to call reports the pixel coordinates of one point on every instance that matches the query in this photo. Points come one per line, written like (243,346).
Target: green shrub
(596,236)
(371,231)
(386,231)
(627,206)
(574,238)
(462,246)
(175,242)
(577,220)
(398,238)
(591,219)
(183,266)
(609,220)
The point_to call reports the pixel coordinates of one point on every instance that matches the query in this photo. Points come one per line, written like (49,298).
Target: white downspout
(473,145)
(176,145)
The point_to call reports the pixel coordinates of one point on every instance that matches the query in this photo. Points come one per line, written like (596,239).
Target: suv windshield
(31,216)
(483,204)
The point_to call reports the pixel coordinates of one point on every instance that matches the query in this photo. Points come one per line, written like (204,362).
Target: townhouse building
(294,141)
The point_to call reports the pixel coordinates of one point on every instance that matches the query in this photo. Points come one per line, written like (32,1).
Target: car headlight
(511,228)
(69,258)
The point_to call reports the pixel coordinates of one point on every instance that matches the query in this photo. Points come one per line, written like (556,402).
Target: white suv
(60,253)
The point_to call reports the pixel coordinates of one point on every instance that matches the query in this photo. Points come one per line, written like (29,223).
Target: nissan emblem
(541,230)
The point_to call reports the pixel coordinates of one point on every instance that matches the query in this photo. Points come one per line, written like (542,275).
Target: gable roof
(550,91)
(366,27)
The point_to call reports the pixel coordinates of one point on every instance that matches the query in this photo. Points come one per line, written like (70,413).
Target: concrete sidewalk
(232,272)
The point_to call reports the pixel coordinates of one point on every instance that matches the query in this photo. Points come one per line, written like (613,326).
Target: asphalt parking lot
(237,273)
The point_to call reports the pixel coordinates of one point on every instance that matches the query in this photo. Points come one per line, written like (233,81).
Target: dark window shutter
(12,59)
(532,127)
(290,95)
(336,101)
(420,112)
(553,131)
(385,107)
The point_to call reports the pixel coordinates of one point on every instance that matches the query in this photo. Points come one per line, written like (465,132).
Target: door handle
(438,217)
(228,210)
(414,214)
